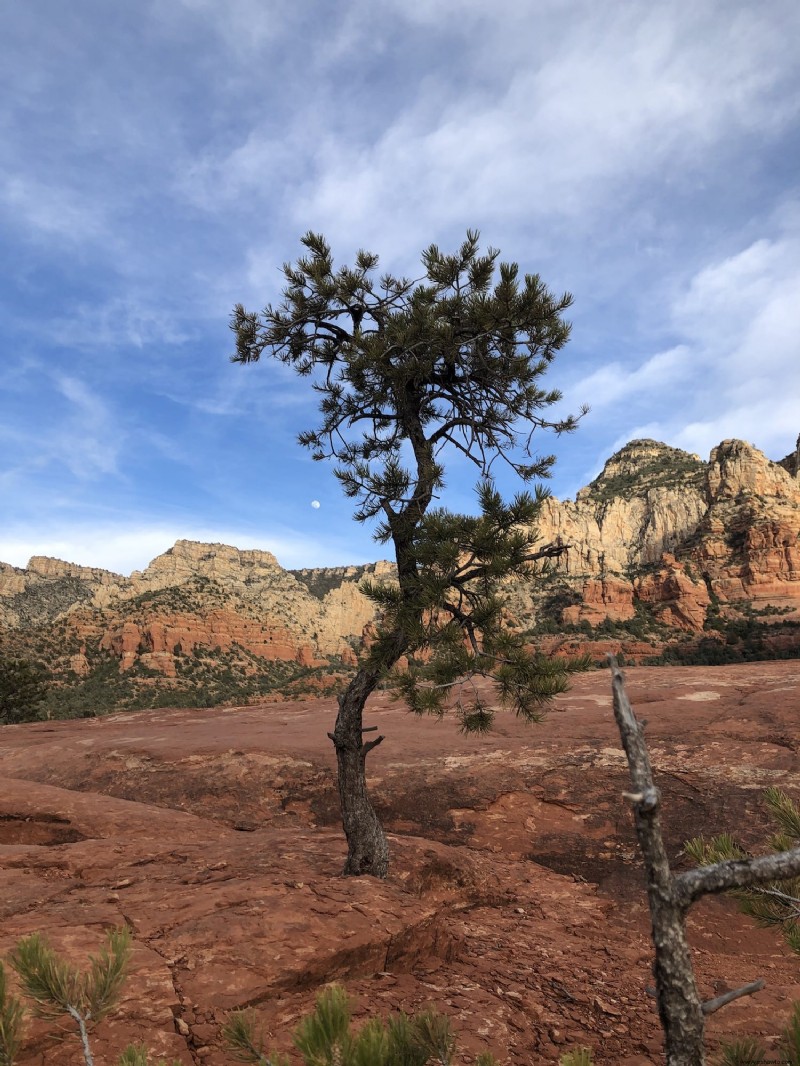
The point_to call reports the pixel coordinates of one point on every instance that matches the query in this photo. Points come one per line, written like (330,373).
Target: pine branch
(12,1014)
(57,988)
(246,1041)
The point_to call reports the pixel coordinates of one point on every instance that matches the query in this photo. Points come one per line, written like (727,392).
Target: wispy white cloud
(614,384)
(244,26)
(736,372)
(621,97)
(161,163)
(90,437)
(49,209)
(126,320)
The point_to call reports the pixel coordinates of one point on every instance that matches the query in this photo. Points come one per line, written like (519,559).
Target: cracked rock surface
(515,901)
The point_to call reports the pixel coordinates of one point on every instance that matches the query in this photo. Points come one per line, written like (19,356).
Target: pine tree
(407,373)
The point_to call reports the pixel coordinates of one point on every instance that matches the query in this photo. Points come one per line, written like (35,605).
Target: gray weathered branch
(680,1009)
(736,873)
(712,1005)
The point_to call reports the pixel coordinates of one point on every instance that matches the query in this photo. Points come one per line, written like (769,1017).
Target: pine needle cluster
(11,1022)
(326,1038)
(57,988)
(776,903)
(455,622)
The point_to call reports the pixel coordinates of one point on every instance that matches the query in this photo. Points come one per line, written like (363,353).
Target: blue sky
(159,160)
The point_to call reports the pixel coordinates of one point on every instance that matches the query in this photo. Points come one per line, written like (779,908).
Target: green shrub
(580,1057)
(23,687)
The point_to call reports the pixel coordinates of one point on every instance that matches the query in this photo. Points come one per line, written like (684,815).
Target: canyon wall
(661,528)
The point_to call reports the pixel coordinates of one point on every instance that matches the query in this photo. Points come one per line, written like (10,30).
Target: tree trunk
(367,847)
(679,1007)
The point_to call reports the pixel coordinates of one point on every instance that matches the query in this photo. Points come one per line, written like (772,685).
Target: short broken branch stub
(370,744)
(644,801)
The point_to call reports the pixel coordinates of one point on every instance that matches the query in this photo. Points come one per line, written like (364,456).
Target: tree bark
(367,847)
(679,1007)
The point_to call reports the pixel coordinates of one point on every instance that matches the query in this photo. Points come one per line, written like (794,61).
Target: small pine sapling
(57,988)
(746,1052)
(433,1035)
(11,1017)
(581,1056)
(246,1041)
(325,1038)
(370,1046)
(750,1052)
(790,1041)
(405,1051)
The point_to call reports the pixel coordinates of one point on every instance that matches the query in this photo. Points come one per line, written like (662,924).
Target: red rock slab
(515,901)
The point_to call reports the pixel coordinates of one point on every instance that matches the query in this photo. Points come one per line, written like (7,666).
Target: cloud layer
(160,161)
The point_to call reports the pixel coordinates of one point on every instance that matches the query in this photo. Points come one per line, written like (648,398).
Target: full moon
(315,504)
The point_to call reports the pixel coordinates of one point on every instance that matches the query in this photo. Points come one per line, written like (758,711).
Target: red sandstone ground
(515,902)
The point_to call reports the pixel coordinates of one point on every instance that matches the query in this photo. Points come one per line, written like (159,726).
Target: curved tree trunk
(367,847)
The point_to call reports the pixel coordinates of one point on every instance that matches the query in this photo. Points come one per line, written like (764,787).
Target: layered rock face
(748,539)
(648,498)
(661,528)
(222,583)
(200,616)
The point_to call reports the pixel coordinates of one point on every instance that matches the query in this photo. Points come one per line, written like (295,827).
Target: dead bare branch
(712,1005)
(680,1009)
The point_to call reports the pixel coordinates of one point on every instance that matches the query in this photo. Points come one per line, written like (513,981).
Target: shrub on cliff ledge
(409,372)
